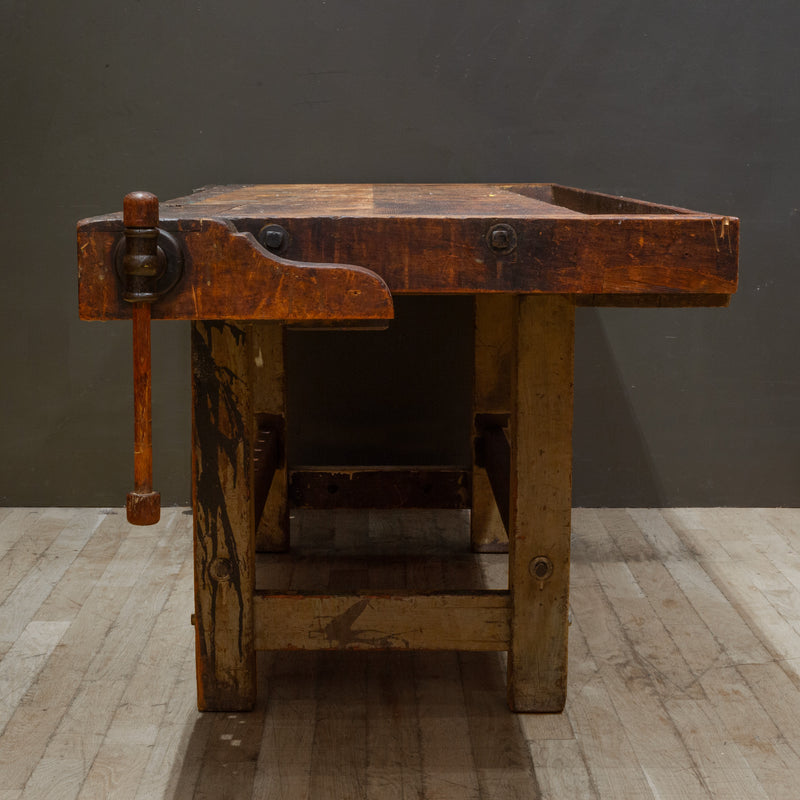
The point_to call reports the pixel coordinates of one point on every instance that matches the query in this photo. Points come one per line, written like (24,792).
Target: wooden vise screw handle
(142,267)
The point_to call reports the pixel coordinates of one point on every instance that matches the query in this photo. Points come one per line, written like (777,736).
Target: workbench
(244,262)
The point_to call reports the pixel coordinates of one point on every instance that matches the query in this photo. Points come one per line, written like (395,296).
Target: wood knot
(221,569)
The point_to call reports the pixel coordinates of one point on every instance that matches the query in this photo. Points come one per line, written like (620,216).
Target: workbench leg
(224,530)
(491,394)
(541,499)
(269,405)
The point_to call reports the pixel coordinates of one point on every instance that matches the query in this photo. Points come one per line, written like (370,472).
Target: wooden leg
(491,394)
(269,405)
(224,535)
(541,499)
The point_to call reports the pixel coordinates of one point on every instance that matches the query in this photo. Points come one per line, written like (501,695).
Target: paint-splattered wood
(418,239)
(541,495)
(452,621)
(224,534)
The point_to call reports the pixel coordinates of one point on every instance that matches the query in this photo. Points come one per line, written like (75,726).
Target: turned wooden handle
(140,216)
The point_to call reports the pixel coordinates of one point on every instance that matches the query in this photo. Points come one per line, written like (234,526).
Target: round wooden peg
(140,210)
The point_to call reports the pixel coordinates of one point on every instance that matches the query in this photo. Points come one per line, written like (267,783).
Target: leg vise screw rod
(142,264)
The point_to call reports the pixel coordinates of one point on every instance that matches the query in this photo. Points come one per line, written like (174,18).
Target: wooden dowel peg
(141,265)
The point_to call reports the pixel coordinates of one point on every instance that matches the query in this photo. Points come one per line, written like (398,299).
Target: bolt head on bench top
(417,239)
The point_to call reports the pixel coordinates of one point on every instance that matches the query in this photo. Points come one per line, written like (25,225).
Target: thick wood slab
(418,239)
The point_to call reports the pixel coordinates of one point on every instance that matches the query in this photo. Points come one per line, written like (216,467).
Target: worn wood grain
(561,769)
(681,546)
(429,724)
(133,733)
(724,771)
(394,755)
(230,757)
(535,246)
(69,595)
(22,663)
(265,464)
(224,526)
(341,728)
(496,455)
(656,741)
(586,202)
(502,758)
(455,621)
(541,495)
(380,487)
(448,764)
(228,275)
(431,239)
(287,742)
(172,744)
(654,300)
(491,394)
(288,739)
(20,606)
(24,536)
(268,376)
(96,671)
(30,730)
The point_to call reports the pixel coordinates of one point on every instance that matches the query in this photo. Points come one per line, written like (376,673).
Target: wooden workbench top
(421,239)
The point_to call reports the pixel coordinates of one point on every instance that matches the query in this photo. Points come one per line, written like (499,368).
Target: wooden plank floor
(684,666)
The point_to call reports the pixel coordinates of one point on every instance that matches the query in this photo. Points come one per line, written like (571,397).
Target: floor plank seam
(683,682)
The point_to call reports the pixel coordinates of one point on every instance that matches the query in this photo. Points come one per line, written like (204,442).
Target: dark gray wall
(692,104)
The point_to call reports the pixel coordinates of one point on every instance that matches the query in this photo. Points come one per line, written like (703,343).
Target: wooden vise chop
(204,269)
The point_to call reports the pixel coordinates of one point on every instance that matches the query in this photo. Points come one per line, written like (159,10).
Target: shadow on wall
(612,465)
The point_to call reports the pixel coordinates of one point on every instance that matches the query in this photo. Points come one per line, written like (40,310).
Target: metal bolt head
(541,568)
(499,239)
(502,238)
(273,237)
